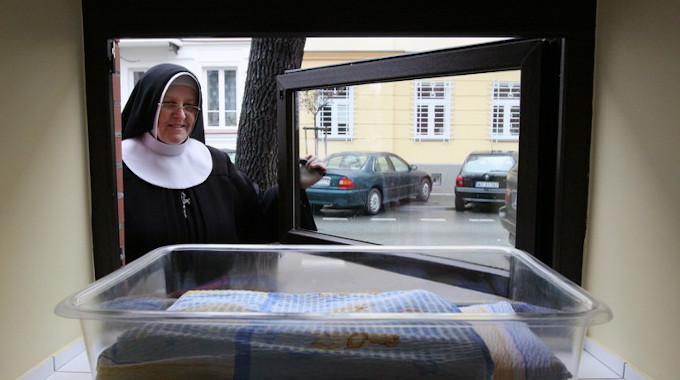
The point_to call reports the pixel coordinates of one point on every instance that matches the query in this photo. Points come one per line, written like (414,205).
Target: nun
(179,190)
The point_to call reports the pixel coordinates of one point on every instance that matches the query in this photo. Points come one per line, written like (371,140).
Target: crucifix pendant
(185,202)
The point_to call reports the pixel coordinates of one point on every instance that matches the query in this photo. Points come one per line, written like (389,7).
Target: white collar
(170,166)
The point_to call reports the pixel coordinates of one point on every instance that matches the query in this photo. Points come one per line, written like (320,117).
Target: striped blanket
(328,350)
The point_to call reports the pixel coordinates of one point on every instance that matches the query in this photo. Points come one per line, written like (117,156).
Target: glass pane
(461,191)
(213,118)
(505,101)
(421,120)
(136,76)
(439,114)
(331,109)
(230,98)
(399,164)
(514,121)
(343,120)
(230,117)
(213,98)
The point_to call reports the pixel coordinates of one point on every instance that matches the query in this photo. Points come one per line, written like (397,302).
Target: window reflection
(432,107)
(395,149)
(505,121)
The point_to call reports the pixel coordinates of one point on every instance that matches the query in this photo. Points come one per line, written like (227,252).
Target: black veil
(140,110)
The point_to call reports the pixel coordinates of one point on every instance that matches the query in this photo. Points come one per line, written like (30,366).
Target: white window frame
(133,71)
(127,83)
(429,105)
(505,101)
(222,120)
(336,103)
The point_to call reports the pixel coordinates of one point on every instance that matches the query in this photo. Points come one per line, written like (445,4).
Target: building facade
(434,122)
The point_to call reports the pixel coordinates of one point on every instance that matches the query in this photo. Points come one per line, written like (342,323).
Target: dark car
(482,178)
(368,180)
(508,213)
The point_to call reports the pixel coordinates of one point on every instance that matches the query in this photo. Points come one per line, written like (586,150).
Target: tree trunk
(257,144)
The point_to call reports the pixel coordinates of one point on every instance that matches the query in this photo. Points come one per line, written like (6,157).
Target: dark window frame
(538,61)
(562,238)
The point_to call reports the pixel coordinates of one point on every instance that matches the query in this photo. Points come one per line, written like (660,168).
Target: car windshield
(346,161)
(487,164)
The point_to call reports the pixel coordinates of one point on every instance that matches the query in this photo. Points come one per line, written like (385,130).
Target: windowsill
(504,139)
(336,138)
(218,131)
(433,139)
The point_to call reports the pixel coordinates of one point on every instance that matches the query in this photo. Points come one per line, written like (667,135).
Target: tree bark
(257,143)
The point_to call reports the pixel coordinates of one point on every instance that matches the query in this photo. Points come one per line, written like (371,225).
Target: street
(434,222)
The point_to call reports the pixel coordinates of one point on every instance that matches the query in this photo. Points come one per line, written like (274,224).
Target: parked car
(368,180)
(508,212)
(482,178)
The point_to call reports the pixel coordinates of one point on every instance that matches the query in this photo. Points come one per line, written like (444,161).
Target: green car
(367,180)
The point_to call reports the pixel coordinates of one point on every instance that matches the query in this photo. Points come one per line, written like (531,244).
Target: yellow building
(434,123)
(387,117)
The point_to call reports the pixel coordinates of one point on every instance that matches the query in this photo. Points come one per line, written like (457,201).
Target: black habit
(226,207)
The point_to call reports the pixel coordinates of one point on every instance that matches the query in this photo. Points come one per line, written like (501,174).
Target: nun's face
(176,120)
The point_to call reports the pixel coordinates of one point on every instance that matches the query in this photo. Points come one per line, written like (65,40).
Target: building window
(432,110)
(505,111)
(136,76)
(220,103)
(335,113)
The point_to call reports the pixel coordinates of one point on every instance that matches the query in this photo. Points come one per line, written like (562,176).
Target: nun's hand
(312,169)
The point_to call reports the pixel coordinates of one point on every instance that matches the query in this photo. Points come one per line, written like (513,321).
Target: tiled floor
(79,369)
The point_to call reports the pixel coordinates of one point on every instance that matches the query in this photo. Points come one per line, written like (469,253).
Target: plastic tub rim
(69,307)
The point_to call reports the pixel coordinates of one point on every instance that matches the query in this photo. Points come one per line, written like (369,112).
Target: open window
(556,223)
(437,109)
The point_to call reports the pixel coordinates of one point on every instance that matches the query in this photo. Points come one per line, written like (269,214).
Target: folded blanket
(412,301)
(517,353)
(281,349)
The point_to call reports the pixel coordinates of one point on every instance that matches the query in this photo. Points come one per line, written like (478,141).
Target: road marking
(432,220)
(333,218)
(383,219)
(481,220)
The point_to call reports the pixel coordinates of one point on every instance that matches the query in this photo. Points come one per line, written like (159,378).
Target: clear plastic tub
(281,311)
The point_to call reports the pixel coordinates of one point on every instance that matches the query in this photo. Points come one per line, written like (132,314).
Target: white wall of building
(197,55)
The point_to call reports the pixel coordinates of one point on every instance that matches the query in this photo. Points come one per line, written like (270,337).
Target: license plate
(490,185)
(324,181)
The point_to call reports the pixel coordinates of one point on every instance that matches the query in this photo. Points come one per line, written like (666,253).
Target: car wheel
(424,192)
(460,204)
(373,202)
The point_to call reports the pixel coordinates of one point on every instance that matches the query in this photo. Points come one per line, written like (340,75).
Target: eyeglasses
(188,109)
